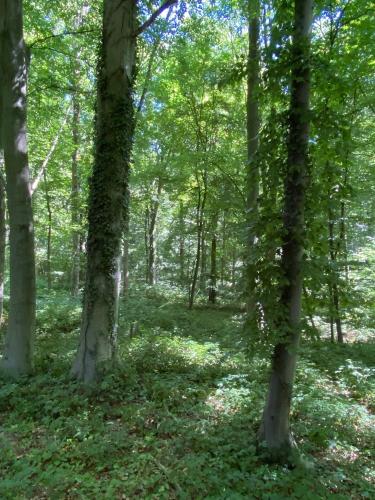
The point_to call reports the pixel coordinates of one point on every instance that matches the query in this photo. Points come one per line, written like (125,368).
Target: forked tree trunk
(253,125)
(108,189)
(17,359)
(275,432)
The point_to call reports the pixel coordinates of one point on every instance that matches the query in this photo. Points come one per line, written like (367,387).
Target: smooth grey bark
(275,434)
(252,173)
(2,233)
(108,189)
(17,358)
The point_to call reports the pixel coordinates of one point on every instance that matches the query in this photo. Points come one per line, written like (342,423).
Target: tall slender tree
(2,233)
(252,173)
(275,428)
(17,359)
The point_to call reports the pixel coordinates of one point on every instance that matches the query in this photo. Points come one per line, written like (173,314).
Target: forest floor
(179,417)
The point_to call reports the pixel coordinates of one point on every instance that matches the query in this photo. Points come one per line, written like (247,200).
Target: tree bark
(125,253)
(153,214)
(202,196)
(75,202)
(203,265)
(2,233)
(333,278)
(181,249)
(49,230)
(212,291)
(223,248)
(275,432)
(17,359)
(108,189)
(253,126)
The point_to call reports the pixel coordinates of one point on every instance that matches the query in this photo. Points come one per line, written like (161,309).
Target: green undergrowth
(179,415)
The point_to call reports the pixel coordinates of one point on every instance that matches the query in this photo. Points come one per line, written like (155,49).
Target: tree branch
(43,168)
(64,33)
(149,70)
(154,16)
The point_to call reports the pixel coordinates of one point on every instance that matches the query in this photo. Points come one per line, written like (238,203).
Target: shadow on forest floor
(178,418)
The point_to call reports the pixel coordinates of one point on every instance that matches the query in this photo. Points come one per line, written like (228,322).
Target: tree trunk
(212,291)
(253,125)
(146,240)
(334,277)
(75,202)
(108,189)
(200,221)
(2,234)
(17,359)
(49,230)
(275,432)
(125,258)
(223,248)
(151,261)
(233,273)
(181,245)
(203,266)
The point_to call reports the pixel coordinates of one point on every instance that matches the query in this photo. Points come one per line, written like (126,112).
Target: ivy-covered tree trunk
(17,358)
(275,432)
(108,188)
(253,124)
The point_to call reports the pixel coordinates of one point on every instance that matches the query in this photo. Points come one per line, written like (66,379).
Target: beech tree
(252,173)
(109,184)
(17,358)
(275,428)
